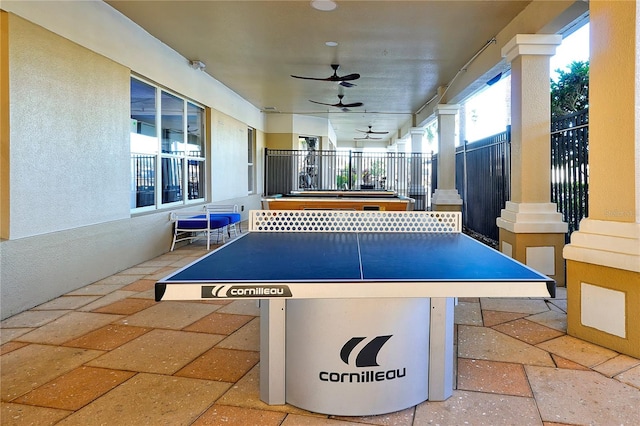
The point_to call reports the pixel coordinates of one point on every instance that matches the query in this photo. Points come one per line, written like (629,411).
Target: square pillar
(417,190)
(603,258)
(530,228)
(446,196)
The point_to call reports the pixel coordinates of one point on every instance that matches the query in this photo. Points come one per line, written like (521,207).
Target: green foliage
(571,92)
(342,179)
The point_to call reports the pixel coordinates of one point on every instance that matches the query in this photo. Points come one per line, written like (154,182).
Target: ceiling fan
(371,132)
(344,107)
(366,137)
(344,80)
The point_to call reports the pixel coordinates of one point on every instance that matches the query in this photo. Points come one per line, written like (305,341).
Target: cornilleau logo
(250,291)
(367,356)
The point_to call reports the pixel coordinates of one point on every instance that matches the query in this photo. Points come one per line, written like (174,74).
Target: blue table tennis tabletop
(312,260)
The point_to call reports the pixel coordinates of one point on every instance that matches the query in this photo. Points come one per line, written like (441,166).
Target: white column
(532,230)
(446,196)
(530,209)
(401,178)
(417,189)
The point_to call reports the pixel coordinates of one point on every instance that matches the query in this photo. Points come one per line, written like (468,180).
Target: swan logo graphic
(368,355)
(365,359)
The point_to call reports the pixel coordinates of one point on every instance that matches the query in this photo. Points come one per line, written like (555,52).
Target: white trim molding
(531,44)
(446,197)
(606,243)
(531,218)
(446,109)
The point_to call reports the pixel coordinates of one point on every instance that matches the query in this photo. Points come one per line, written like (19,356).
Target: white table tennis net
(354,221)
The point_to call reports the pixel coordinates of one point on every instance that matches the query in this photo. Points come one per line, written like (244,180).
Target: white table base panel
(304,345)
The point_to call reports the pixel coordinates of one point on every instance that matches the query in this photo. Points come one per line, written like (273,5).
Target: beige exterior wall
(66,220)
(4,126)
(69,141)
(281,141)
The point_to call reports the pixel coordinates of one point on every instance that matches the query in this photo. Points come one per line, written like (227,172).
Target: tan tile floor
(107,354)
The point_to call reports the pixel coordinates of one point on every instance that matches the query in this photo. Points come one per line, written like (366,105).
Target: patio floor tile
(476,408)
(527,331)
(488,344)
(220,364)
(75,389)
(158,351)
(563,396)
(150,399)
(492,377)
(584,353)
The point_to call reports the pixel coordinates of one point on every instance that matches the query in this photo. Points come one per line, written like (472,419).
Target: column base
(603,306)
(534,234)
(446,200)
(603,285)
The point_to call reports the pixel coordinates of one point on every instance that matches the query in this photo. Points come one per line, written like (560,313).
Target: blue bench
(190,226)
(228,211)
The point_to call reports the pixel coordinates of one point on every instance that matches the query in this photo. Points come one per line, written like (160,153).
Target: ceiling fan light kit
(324,5)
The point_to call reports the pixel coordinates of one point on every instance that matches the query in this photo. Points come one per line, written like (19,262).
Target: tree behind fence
(570,166)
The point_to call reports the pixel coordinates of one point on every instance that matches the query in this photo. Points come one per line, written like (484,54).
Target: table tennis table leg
(441,349)
(272,351)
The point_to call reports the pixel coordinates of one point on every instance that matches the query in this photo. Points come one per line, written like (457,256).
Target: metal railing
(483,173)
(570,167)
(408,174)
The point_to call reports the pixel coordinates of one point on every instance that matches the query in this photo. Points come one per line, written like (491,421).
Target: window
(251,155)
(167,148)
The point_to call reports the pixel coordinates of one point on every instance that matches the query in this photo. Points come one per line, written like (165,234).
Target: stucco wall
(70,223)
(69,154)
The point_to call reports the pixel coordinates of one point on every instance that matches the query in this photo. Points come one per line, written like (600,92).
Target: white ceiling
(403,50)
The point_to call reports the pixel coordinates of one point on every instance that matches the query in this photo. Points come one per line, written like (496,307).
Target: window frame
(184,158)
(251,161)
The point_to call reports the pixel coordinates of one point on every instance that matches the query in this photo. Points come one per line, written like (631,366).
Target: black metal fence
(408,174)
(483,173)
(483,170)
(570,167)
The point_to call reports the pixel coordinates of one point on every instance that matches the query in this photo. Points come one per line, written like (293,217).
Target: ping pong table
(356,307)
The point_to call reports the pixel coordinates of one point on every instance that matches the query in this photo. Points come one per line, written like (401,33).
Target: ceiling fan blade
(349,77)
(335,77)
(322,103)
(371,132)
(347,84)
(310,78)
(353,105)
